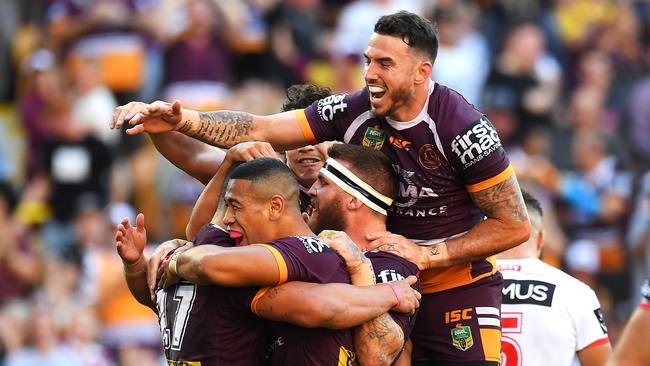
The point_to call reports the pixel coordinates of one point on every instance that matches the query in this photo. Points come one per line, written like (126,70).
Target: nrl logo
(461,337)
(374,138)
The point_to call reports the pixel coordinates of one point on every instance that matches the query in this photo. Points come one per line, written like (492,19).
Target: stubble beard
(328,218)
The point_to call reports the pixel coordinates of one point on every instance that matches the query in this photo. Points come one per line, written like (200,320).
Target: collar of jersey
(422,116)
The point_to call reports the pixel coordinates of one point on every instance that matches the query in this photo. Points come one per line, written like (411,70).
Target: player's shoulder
(306,244)
(342,106)
(383,261)
(449,106)
(569,288)
(213,234)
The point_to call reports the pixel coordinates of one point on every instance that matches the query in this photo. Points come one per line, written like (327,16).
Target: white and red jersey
(546,315)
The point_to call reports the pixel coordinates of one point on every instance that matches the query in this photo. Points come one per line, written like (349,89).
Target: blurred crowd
(565,82)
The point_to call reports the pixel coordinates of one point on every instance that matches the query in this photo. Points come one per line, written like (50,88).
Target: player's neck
(358,233)
(292,226)
(412,109)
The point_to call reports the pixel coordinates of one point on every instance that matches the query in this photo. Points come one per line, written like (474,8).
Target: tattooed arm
(379,341)
(505,227)
(218,128)
(334,305)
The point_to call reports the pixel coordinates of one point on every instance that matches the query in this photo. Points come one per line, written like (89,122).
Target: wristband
(392,288)
(172,262)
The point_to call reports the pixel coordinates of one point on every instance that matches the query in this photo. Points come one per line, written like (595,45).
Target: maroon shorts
(462,324)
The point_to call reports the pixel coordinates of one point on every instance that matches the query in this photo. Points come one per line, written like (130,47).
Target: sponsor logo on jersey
(374,138)
(389,275)
(428,157)
(476,142)
(399,143)
(528,292)
(313,245)
(347,357)
(333,107)
(457,315)
(601,320)
(461,337)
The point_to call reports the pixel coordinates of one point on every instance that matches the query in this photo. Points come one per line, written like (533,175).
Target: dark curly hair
(302,95)
(414,30)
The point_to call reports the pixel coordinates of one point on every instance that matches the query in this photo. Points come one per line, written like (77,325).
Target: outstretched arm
(218,128)
(251,265)
(335,305)
(505,227)
(194,157)
(130,242)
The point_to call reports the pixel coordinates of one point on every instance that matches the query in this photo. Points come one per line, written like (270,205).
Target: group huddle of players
(376,249)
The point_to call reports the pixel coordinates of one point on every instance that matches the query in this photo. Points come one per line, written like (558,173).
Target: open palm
(130,241)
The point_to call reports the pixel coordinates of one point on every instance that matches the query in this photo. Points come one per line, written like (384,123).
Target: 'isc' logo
(455,316)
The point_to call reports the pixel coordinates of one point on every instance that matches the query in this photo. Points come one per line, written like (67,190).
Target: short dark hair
(270,175)
(370,165)
(302,95)
(414,30)
(532,204)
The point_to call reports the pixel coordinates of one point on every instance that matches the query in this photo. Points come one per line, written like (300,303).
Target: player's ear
(423,72)
(354,204)
(276,207)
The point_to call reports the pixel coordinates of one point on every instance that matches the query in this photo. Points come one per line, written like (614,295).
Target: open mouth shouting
(376,93)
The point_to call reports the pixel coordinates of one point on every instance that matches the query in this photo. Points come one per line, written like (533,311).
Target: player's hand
(155,261)
(167,276)
(130,241)
(409,298)
(250,150)
(341,243)
(156,117)
(398,245)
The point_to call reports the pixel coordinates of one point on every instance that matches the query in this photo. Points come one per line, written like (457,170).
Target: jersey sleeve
(328,119)
(589,320)
(306,259)
(389,268)
(472,144)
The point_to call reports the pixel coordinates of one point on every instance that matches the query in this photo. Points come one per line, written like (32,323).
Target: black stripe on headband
(356,187)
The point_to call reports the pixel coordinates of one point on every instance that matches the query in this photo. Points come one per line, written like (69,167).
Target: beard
(329,217)
(399,97)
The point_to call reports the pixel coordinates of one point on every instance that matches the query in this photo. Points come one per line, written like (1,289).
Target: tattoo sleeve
(502,201)
(379,340)
(222,128)
(506,226)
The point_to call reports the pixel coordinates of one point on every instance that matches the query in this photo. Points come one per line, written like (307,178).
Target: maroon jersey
(448,150)
(307,259)
(389,267)
(210,325)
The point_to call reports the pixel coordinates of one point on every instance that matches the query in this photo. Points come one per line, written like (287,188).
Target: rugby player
(459,199)
(547,316)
